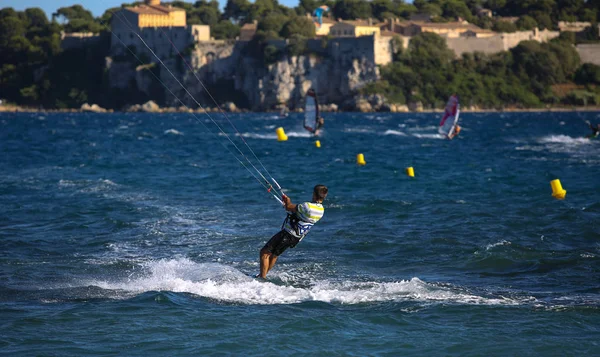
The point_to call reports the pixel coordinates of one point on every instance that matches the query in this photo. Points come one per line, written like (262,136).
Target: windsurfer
(320,123)
(455,131)
(313,120)
(449,124)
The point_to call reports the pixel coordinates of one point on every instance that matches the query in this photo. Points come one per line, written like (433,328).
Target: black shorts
(280,242)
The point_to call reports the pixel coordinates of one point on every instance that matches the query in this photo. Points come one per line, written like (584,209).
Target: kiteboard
(449,124)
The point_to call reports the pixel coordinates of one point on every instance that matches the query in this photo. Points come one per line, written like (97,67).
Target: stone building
(152,14)
(152,27)
(355,28)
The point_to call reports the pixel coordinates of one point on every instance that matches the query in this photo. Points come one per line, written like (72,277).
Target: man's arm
(288,205)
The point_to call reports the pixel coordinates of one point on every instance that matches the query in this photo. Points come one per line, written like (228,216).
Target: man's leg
(272,261)
(264,263)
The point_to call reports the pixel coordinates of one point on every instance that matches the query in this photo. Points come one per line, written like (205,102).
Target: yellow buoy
(360,159)
(557,190)
(281,134)
(410,171)
(318,143)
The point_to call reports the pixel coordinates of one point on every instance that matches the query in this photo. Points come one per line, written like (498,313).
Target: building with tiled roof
(355,28)
(162,27)
(153,14)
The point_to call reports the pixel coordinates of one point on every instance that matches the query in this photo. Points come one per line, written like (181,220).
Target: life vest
(299,223)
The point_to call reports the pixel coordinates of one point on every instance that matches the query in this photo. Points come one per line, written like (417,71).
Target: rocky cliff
(229,74)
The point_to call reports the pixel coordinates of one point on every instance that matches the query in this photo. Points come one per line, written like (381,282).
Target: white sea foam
(260,136)
(423,128)
(299,134)
(497,244)
(429,136)
(225,283)
(173,131)
(87,185)
(564,139)
(358,130)
(394,132)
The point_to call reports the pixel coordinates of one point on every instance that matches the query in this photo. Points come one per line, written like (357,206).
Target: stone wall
(346,49)
(158,40)
(383,49)
(589,53)
(499,42)
(472,44)
(77,39)
(512,39)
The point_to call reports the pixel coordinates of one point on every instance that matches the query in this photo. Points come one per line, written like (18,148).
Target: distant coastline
(25,109)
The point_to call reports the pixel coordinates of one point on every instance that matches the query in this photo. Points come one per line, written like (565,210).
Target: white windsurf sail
(311,111)
(450,119)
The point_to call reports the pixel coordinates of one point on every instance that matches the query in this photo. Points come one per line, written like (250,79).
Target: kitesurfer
(300,219)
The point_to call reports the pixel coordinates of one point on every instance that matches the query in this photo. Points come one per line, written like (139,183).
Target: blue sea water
(135,234)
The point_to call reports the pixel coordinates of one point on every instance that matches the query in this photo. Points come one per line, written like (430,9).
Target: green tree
(588,73)
(261,8)
(273,22)
(588,15)
(504,26)
(568,9)
(453,9)
(352,9)
(537,64)
(37,17)
(296,45)
(76,19)
(208,15)
(495,5)
(307,6)
(381,7)
(526,22)
(238,11)
(432,9)
(404,10)
(300,26)
(429,51)
(568,56)
(567,36)
(225,30)
(543,19)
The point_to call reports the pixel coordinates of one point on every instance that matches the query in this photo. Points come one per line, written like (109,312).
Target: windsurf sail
(311,111)
(449,121)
